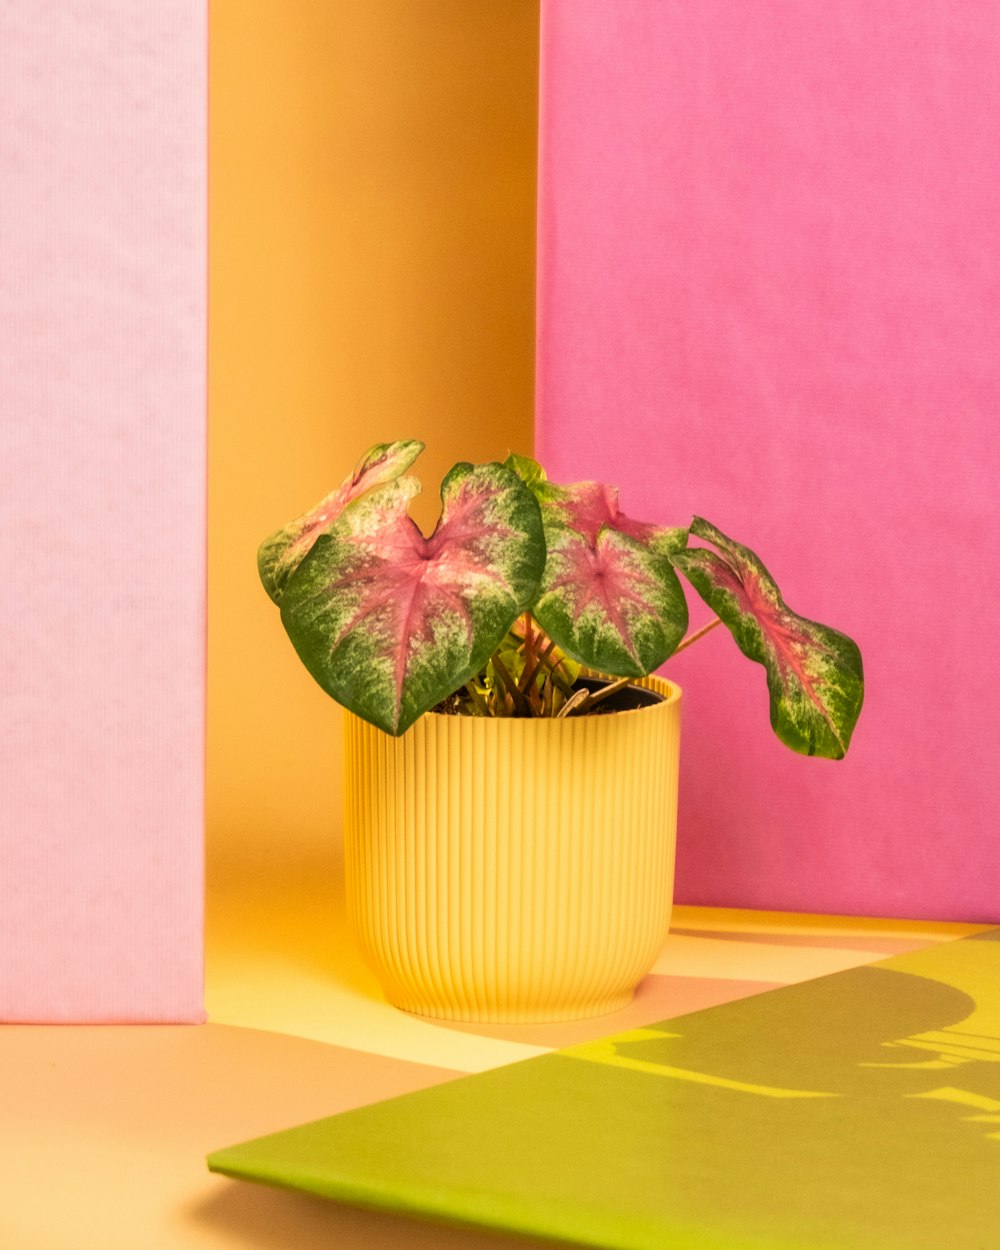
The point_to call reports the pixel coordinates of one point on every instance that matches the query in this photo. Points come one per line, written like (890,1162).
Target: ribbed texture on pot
(513,870)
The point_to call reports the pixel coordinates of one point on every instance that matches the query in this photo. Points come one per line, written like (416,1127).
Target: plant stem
(529,674)
(519,703)
(529,644)
(578,700)
(478,702)
(699,633)
(596,696)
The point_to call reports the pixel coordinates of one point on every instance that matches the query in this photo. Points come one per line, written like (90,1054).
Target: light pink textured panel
(769,295)
(102,321)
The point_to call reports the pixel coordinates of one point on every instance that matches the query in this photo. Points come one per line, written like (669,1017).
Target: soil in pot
(628,699)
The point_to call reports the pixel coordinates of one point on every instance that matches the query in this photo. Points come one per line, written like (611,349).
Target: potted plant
(511,761)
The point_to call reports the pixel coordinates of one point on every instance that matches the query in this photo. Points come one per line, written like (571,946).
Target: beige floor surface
(104,1129)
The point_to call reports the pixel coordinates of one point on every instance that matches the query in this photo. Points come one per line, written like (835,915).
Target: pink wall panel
(768,294)
(102,316)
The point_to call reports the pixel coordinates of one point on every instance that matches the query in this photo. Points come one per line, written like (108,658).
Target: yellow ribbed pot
(513,870)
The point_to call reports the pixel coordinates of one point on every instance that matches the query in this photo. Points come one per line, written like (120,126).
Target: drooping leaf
(814,673)
(390,622)
(280,554)
(609,595)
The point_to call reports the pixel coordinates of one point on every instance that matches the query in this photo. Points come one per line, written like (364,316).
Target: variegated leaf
(609,595)
(814,673)
(587,506)
(280,554)
(390,622)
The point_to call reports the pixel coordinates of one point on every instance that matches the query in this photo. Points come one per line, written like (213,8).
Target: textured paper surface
(102,535)
(768,275)
(857,1110)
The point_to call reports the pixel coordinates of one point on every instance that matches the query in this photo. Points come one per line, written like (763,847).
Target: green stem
(478,702)
(520,703)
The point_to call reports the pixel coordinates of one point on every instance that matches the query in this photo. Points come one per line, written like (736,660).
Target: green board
(859,1111)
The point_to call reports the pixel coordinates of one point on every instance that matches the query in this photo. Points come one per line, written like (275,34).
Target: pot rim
(669,690)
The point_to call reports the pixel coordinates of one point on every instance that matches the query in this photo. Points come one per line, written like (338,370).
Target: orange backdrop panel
(372,224)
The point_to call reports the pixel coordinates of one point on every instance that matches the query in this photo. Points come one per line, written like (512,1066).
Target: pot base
(527,1015)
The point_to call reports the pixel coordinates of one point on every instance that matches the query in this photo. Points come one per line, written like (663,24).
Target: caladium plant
(522,582)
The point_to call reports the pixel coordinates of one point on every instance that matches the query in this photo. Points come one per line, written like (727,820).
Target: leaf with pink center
(280,554)
(390,622)
(814,673)
(589,506)
(609,596)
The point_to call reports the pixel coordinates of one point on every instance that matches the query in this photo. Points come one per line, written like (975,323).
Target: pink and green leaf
(390,622)
(609,595)
(814,673)
(280,554)
(589,506)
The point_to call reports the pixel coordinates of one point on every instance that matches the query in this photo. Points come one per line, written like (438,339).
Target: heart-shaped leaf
(280,554)
(390,622)
(814,673)
(609,595)
(587,506)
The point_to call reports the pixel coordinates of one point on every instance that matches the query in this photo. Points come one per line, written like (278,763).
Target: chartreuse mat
(860,1111)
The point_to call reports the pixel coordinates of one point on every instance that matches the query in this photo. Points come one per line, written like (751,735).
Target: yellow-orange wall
(372,219)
